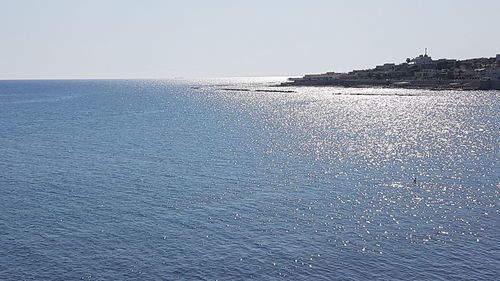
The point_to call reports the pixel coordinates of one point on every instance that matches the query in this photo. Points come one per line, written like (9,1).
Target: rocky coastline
(421,72)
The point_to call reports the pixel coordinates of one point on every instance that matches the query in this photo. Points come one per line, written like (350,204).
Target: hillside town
(419,72)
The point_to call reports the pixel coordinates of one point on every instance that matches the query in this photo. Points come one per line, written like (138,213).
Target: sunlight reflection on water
(192,180)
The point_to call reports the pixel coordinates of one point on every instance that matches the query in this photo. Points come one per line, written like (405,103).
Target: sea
(236,179)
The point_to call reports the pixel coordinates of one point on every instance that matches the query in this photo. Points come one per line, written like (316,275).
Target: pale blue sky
(167,39)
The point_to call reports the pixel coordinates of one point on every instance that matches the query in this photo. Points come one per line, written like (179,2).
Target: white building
(423,60)
(426,74)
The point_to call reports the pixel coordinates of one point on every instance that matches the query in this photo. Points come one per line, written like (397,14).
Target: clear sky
(216,38)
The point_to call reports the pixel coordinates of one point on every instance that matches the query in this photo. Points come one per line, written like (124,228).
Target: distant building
(465,73)
(491,73)
(326,76)
(498,59)
(446,63)
(426,74)
(385,67)
(424,60)
(318,77)
(359,74)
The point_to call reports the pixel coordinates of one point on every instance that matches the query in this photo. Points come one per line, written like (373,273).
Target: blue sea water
(189,180)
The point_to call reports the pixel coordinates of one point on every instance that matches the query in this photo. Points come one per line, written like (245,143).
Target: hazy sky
(167,39)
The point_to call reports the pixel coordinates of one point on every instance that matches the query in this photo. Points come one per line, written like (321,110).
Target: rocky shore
(408,84)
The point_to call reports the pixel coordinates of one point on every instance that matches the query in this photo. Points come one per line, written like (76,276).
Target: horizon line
(143,78)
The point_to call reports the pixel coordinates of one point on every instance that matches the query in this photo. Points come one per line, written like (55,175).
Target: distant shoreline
(435,85)
(421,72)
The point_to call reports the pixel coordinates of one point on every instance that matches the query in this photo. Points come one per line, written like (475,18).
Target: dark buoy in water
(415,180)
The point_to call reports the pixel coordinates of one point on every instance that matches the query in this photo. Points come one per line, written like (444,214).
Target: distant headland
(421,72)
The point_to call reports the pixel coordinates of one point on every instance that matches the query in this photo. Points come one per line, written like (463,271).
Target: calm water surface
(186,180)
